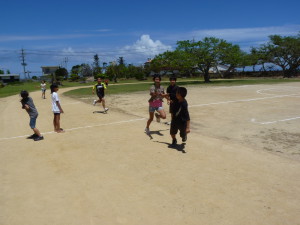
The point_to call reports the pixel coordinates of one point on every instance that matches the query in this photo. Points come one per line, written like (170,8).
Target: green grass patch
(15,88)
(143,86)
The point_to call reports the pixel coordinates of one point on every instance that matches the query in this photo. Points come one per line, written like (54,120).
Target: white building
(7,78)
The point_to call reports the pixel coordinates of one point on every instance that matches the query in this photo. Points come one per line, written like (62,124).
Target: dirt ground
(241,163)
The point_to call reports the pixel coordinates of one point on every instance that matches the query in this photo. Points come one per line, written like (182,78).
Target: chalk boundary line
(77,128)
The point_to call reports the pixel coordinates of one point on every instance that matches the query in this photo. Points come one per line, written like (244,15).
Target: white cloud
(4,38)
(244,34)
(146,46)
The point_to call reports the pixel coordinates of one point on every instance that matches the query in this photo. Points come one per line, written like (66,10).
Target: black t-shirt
(180,111)
(171,90)
(100,88)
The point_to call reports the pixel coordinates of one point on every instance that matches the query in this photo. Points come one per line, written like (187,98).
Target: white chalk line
(77,128)
(275,121)
(243,100)
(281,88)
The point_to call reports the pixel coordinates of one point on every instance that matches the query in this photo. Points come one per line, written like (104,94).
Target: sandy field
(240,165)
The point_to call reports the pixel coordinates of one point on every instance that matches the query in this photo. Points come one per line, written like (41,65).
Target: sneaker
(147,130)
(168,123)
(106,109)
(32,136)
(94,103)
(174,142)
(157,117)
(184,138)
(39,138)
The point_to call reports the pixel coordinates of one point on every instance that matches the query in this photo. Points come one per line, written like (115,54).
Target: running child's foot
(184,138)
(106,109)
(157,115)
(174,142)
(147,131)
(39,138)
(94,103)
(60,130)
(32,136)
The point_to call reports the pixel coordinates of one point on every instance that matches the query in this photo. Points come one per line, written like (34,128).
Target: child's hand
(26,107)
(188,130)
(61,111)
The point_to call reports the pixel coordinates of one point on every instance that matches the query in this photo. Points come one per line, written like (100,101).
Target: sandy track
(107,171)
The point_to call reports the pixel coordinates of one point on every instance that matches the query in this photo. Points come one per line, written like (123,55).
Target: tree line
(199,57)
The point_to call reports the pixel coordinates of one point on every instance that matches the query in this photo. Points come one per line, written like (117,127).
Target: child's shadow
(157,132)
(178,147)
(104,112)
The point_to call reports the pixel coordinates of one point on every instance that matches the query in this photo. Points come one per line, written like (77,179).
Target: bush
(74,77)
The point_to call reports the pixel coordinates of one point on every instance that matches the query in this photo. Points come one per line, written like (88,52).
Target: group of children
(178,108)
(28,105)
(175,95)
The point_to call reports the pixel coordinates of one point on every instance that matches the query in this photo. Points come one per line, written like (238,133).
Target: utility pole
(23,62)
(66,62)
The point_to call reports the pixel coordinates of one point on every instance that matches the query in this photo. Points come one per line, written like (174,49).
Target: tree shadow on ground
(178,147)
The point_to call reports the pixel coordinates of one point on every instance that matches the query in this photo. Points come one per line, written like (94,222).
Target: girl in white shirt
(43,88)
(56,108)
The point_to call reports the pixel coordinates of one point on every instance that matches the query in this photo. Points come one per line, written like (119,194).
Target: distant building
(48,70)
(8,78)
(218,69)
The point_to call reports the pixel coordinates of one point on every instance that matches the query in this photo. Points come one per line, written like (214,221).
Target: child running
(100,90)
(28,105)
(56,108)
(181,118)
(157,93)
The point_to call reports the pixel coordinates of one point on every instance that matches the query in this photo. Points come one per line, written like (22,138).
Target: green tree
(61,73)
(204,54)
(1,71)
(96,65)
(283,52)
(231,56)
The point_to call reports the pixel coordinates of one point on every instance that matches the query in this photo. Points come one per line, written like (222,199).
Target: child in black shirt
(181,117)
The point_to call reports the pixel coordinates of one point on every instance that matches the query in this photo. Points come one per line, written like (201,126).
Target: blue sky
(50,31)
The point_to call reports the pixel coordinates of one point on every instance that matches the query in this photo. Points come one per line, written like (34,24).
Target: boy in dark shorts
(181,117)
(28,105)
(100,90)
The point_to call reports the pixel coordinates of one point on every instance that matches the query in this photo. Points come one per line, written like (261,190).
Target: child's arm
(60,109)
(188,126)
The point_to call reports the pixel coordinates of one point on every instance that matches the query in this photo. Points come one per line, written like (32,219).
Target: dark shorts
(32,122)
(175,126)
(100,95)
(56,113)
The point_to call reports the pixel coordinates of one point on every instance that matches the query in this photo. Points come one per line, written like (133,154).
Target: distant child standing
(100,90)
(56,108)
(171,90)
(28,105)
(43,88)
(157,93)
(181,118)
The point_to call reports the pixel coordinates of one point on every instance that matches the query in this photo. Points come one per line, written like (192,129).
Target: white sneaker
(106,109)
(147,130)
(94,103)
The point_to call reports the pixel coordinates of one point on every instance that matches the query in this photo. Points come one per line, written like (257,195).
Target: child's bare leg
(151,115)
(162,114)
(103,103)
(36,131)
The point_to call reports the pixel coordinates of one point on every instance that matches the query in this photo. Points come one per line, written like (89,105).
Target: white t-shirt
(43,86)
(55,99)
